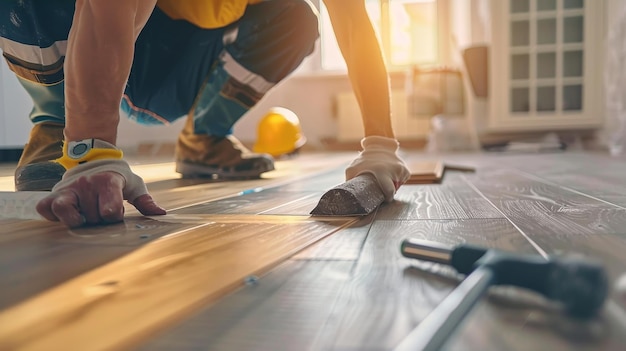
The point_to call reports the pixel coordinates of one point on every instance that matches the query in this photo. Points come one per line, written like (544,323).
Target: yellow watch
(81,151)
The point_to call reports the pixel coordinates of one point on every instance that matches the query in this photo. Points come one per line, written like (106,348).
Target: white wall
(15,105)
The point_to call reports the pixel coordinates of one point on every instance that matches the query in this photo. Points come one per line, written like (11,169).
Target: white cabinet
(546,64)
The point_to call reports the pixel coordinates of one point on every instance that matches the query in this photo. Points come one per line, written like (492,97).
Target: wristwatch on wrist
(81,151)
(78,149)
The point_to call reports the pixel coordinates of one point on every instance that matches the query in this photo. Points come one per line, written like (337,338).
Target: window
(408,30)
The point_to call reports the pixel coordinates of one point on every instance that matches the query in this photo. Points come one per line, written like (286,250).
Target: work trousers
(179,69)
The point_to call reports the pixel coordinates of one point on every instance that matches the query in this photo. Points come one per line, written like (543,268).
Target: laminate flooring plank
(38,255)
(42,268)
(389,295)
(512,186)
(298,207)
(119,304)
(286,309)
(297,197)
(562,222)
(173,192)
(559,220)
(594,183)
(452,199)
(253,203)
(532,326)
(320,182)
(24,244)
(569,162)
(176,197)
(344,245)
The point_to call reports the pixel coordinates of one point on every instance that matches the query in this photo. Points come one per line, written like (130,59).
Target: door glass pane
(573,63)
(572,97)
(546,98)
(520,6)
(520,100)
(520,33)
(546,5)
(574,4)
(573,29)
(520,66)
(546,31)
(546,65)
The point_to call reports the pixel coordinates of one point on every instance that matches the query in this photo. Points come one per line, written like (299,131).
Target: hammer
(581,287)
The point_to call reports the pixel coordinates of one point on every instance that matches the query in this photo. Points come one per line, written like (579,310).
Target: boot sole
(195,170)
(38,176)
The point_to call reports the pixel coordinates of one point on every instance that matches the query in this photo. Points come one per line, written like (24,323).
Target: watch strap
(81,151)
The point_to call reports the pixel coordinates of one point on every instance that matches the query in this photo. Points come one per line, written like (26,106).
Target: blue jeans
(212,75)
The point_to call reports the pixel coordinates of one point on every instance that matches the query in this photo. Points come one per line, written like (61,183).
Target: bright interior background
(411,32)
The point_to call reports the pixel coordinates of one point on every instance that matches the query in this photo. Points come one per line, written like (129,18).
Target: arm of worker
(367,72)
(98,61)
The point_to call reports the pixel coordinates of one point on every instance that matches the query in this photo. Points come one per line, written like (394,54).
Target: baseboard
(10,155)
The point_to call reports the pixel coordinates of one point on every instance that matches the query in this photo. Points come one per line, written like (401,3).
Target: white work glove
(380,158)
(93,193)
(133,188)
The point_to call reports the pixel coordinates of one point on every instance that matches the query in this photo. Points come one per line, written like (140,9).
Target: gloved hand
(94,192)
(380,158)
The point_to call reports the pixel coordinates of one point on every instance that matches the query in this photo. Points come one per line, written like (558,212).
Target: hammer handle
(433,332)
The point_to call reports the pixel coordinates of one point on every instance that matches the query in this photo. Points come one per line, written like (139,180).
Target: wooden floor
(241,265)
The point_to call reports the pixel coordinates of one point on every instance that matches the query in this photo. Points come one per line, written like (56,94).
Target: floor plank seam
(439,219)
(318,259)
(270,185)
(548,182)
(365,238)
(287,203)
(540,250)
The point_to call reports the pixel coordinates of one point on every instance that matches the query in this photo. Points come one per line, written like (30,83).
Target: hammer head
(582,287)
(579,285)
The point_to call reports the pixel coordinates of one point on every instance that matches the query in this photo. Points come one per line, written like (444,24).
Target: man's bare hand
(94,193)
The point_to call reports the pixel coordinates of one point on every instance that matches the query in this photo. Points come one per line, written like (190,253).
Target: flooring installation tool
(361,195)
(358,196)
(581,287)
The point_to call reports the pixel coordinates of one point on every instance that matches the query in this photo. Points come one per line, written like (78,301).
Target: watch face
(78,149)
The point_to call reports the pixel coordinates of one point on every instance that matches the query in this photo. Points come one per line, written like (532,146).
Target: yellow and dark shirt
(206,14)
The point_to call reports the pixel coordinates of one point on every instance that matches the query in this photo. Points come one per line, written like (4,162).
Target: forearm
(366,68)
(98,60)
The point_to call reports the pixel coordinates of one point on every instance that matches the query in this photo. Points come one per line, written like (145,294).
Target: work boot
(221,157)
(36,170)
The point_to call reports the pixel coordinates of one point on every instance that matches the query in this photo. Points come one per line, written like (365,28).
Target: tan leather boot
(35,171)
(221,157)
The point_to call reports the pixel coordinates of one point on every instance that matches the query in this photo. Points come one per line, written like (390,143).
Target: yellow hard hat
(279,133)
